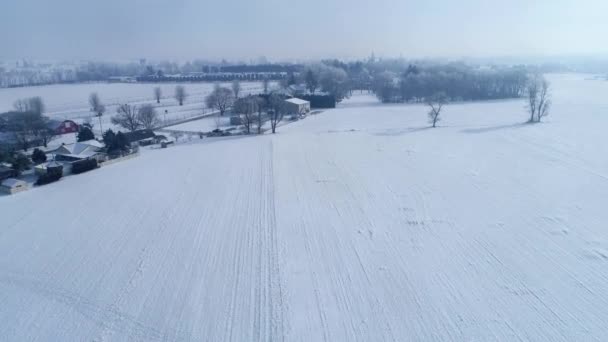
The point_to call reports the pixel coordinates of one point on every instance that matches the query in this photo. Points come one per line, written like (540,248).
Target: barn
(297,106)
(63,127)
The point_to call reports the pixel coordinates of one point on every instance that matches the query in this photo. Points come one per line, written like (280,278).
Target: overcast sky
(243,29)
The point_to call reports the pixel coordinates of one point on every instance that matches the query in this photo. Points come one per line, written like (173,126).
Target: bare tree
(220,99)
(236,88)
(46,133)
(276,112)
(532,93)
(538,97)
(28,128)
(98,108)
(436,103)
(148,117)
(180,94)
(260,104)
(246,107)
(21,105)
(157,94)
(265,84)
(127,117)
(311,81)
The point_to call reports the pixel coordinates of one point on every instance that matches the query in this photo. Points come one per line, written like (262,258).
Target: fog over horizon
(242,30)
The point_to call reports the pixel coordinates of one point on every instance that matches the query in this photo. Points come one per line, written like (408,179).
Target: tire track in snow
(114,321)
(274,276)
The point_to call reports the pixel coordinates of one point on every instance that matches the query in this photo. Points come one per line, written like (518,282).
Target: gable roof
(83,149)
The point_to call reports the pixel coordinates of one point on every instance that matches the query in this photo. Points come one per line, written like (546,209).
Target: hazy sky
(241,29)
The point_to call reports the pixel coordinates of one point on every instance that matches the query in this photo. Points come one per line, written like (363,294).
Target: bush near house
(84,166)
(38,157)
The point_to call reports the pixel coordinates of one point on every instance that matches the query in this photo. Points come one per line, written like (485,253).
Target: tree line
(462,83)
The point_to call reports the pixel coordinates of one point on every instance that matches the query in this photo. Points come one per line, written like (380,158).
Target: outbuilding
(12,186)
(63,127)
(141,137)
(297,106)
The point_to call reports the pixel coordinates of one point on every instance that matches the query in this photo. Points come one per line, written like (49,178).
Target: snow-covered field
(358,224)
(70,101)
(206,124)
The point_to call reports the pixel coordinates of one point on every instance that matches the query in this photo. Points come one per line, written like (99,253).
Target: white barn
(297,106)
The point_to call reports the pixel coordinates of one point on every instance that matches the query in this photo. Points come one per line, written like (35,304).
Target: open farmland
(357,224)
(70,101)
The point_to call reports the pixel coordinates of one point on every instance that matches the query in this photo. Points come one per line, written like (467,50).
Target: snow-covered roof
(83,149)
(297,101)
(12,183)
(92,142)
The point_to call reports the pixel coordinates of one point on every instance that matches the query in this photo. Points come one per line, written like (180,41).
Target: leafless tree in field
(236,88)
(276,112)
(157,94)
(436,103)
(98,108)
(180,94)
(246,107)
(126,117)
(538,98)
(220,99)
(148,117)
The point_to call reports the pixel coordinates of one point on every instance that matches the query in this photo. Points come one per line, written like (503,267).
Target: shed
(297,106)
(12,186)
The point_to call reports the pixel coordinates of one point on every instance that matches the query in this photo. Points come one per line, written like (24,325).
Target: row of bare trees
(252,110)
(181,94)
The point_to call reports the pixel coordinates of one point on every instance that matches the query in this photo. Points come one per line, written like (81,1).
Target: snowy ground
(356,224)
(70,101)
